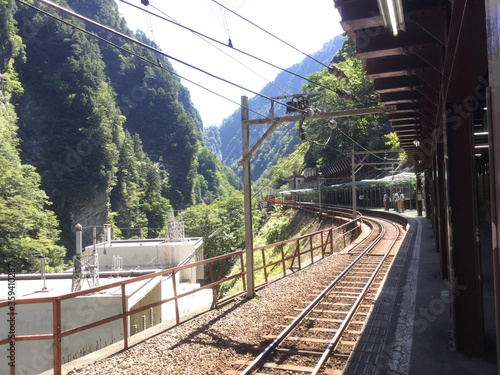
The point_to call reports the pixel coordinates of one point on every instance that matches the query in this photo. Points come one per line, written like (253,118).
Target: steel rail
(336,338)
(281,337)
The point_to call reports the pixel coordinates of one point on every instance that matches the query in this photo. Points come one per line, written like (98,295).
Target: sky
(304,25)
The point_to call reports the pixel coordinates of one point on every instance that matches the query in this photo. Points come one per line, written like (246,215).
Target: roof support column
(464,257)
(493,44)
(427,191)
(419,194)
(442,228)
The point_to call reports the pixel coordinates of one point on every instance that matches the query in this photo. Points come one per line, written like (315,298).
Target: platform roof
(439,56)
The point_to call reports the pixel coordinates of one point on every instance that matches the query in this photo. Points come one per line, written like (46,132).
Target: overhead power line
(233,48)
(155,63)
(153,49)
(219,49)
(144,45)
(267,32)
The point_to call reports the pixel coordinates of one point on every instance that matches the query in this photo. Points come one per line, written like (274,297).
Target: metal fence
(301,251)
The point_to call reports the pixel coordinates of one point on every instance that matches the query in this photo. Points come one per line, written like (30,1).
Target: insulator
(145,2)
(345,95)
(336,72)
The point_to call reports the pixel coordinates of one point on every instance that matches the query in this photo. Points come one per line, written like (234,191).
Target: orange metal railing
(307,247)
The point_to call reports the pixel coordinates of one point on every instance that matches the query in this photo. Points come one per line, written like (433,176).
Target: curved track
(324,333)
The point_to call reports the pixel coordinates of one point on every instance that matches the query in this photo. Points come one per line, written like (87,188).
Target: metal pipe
(78,229)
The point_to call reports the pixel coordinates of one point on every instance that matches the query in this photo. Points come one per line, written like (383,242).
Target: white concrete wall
(149,255)
(187,304)
(33,357)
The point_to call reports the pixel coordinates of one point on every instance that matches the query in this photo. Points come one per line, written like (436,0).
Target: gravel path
(209,344)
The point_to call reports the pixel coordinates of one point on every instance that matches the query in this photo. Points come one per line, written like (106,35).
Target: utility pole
(249,152)
(247,195)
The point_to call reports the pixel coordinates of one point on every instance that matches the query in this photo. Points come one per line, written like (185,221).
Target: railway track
(321,337)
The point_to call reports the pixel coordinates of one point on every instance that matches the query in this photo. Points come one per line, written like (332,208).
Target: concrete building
(37,297)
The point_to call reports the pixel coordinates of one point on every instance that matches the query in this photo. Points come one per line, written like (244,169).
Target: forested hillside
(285,151)
(113,138)
(28,230)
(225,140)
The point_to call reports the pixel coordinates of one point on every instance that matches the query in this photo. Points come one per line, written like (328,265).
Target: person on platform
(386,202)
(401,202)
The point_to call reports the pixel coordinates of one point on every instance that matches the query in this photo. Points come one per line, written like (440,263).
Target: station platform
(409,329)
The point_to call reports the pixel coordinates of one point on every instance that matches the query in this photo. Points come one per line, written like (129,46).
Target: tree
(328,146)
(28,229)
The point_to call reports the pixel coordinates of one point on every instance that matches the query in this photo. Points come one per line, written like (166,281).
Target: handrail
(307,249)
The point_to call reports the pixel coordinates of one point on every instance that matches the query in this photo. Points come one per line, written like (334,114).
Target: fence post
(215,291)
(343,234)
(176,302)
(125,323)
(311,247)
(298,254)
(56,328)
(264,264)
(283,260)
(331,240)
(322,245)
(243,272)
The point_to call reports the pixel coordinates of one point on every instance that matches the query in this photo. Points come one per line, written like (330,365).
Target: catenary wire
(134,54)
(224,44)
(220,49)
(153,49)
(267,32)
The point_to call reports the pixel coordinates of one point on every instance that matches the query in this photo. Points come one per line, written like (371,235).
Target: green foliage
(28,230)
(393,143)
(159,109)
(84,100)
(137,200)
(221,224)
(215,180)
(367,130)
(276,227)
(277,176)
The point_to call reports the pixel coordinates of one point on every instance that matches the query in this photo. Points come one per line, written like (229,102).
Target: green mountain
(28,229)
(317,144)
(225,140)
(111,132)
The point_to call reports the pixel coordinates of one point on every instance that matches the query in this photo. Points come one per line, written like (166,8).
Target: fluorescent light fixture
(477,154)
(416,143)
(392,15)
(481,146)
(481,133)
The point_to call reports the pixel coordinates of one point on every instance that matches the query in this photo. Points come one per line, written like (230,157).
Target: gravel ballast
(212,342)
